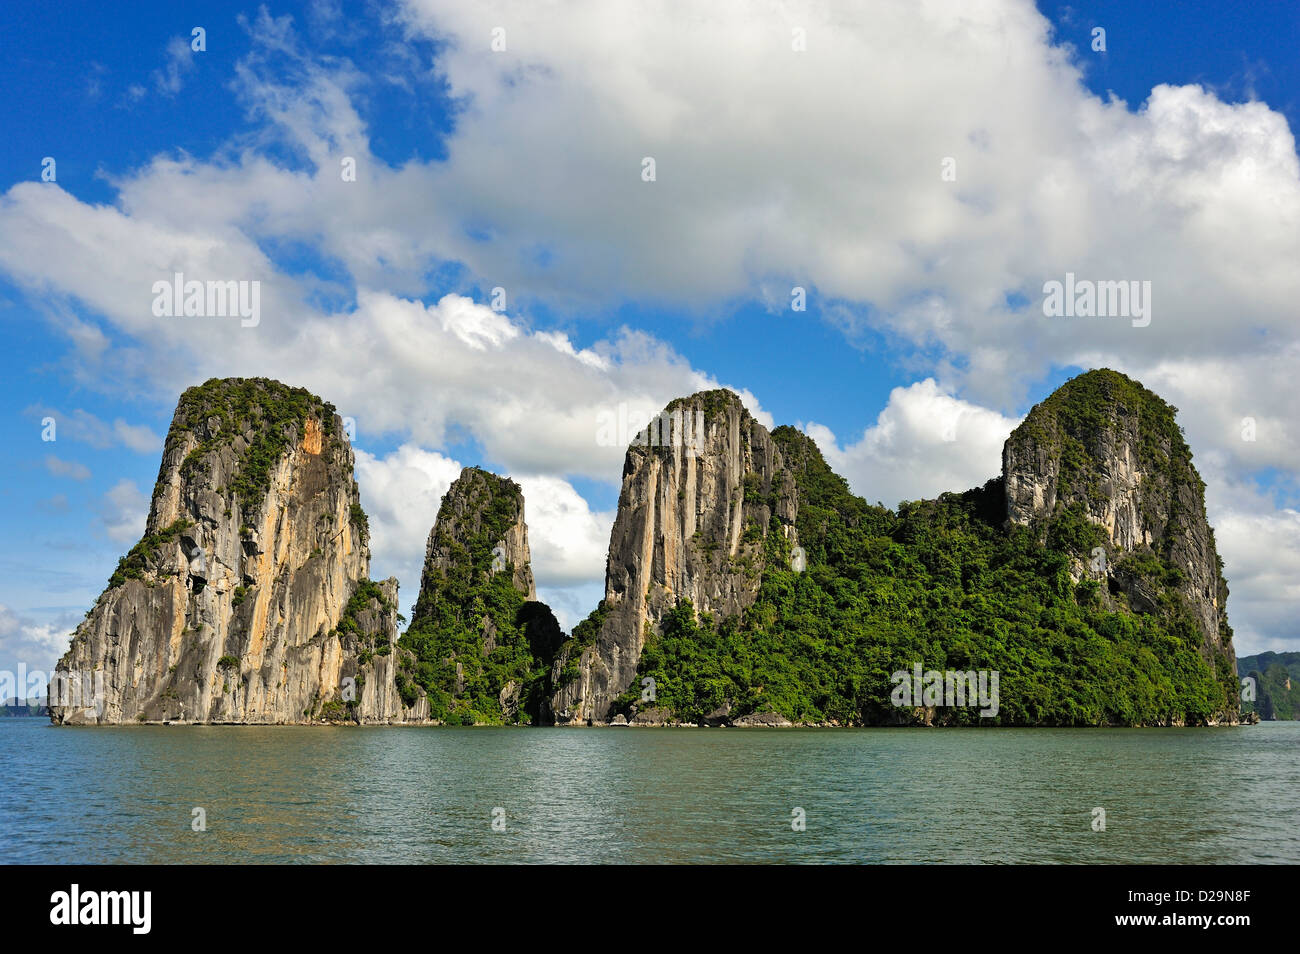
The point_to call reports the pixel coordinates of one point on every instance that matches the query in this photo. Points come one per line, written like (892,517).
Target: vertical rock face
(247,599)
(1106,450)
(478,503)
(480,645)
(372,658)
(702,487)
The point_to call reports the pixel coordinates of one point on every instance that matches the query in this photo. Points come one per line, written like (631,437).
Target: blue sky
(922,344)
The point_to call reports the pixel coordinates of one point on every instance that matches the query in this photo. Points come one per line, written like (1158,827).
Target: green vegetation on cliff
(1073,425)
(264,416)
(265,413)
(939,582)
(141,557)
(482,651)
(1277,684)
(1075,418)
(369,596)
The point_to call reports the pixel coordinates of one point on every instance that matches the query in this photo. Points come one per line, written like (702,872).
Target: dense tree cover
(1277,684)
(944,583)
(472,619)
(938,582)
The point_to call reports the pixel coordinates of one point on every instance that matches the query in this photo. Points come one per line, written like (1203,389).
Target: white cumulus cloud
(924,442)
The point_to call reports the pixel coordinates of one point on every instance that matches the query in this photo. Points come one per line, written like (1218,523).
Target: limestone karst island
(745,583)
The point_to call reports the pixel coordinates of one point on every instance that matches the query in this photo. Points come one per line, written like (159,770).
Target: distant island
(21,708)
(745,584)
(1277,685)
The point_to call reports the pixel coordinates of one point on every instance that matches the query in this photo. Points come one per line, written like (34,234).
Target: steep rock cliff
(994,583)
(247,599)
(744,580)
(480,519)
(702,488)
(1101,469)
(480,644)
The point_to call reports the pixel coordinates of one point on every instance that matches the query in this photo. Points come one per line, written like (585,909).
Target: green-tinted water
(315,794)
